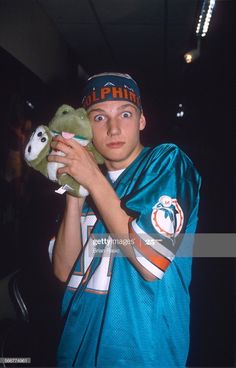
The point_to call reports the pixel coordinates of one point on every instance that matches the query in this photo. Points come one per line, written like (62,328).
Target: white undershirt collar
(115,174)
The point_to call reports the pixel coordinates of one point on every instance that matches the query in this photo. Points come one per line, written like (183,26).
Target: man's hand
(79,163)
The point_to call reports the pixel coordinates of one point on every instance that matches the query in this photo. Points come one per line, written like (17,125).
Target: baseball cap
(109,87)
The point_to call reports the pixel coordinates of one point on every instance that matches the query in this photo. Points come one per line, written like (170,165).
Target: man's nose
(113,127)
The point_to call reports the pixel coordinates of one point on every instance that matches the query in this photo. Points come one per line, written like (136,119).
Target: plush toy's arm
(42,167)
(99,159)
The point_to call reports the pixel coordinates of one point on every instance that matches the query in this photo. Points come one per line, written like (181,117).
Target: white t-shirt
(115,174)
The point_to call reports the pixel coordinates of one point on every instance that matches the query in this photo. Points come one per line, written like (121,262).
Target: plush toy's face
(38,146)
(67,119)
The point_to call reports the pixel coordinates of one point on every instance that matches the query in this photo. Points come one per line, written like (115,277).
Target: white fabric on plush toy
(52,167)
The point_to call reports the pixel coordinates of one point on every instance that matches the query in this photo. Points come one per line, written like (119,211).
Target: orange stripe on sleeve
(93,291)
(153,256)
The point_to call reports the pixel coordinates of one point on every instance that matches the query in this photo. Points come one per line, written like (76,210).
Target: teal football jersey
(113,317)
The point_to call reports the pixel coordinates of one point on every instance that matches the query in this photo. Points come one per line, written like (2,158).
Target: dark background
(205,133)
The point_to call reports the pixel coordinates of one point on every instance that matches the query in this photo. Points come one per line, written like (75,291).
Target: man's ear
(142,122)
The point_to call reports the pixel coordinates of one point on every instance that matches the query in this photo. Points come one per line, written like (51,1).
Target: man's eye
(126,114)
(98,117)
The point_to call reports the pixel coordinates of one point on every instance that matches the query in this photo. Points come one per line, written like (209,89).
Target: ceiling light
(180,112)
(192,55)
(29,104)
(205,17)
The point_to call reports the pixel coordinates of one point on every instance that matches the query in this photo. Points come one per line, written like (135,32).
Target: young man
(127,299)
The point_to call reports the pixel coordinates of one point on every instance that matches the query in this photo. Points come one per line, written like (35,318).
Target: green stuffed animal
(70,123)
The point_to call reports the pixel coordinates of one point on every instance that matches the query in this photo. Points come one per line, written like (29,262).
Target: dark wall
(205,133)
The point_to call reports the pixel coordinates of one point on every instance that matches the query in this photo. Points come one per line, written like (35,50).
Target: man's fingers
(58,158)
(59,144)
(62,170)
(65,145)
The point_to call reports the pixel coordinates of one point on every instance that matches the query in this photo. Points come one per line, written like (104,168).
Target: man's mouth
(115,144)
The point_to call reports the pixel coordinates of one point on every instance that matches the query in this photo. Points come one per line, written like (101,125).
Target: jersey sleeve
(164,205)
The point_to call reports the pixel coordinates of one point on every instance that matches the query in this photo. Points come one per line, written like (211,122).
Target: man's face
(116,129)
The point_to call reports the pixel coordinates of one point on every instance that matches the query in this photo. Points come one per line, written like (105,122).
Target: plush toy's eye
(65,112)
(43,139)
(39,134)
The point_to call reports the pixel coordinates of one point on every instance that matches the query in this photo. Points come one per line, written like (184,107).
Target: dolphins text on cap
(111,93)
